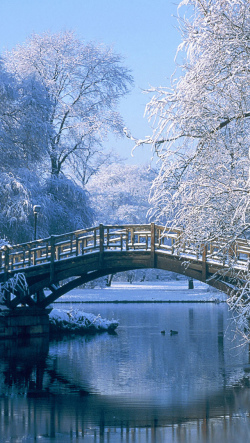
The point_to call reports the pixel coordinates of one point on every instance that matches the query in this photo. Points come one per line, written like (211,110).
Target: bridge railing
(119,238)
(126,237)
(57,247)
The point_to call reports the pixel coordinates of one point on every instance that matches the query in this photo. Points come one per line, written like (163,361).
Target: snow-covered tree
(58,101)
(24,129)
(14,204)
(65,207)
(24,126)
(119,193)
(84,83)
(202,125)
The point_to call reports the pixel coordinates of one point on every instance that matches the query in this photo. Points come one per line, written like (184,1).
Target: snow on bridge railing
(118,238)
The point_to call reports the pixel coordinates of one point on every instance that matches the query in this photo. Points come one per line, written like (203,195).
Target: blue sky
(143,31)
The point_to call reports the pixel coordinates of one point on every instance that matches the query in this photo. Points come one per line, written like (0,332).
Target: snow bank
(171,291)
(75,321)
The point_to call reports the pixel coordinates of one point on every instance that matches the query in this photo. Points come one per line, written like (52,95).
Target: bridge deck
(93,252)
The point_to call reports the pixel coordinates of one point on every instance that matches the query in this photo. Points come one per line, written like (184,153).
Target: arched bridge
(63,262)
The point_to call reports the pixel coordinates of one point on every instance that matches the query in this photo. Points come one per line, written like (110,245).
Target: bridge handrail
(104,238)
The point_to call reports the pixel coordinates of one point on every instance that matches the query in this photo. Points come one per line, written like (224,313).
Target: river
(136,385)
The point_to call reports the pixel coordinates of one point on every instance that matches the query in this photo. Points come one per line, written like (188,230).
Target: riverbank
(120,292)
(146,292)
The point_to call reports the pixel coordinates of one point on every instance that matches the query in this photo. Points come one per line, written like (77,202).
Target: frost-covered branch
(202,128)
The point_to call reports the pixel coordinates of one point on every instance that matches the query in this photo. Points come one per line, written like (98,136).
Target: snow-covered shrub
(15,284)
(79,322)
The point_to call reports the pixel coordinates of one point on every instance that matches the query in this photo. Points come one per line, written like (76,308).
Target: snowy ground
(169,291)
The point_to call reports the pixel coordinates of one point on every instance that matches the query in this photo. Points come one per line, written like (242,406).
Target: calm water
(138,385)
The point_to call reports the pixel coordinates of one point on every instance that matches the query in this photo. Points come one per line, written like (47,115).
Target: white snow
(169,291)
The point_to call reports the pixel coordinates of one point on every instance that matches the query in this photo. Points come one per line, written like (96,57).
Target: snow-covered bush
(14,285)
(79,322)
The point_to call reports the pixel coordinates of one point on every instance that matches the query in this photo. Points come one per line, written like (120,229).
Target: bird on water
(173,332)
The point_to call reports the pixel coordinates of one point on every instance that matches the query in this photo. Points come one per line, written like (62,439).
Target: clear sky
(143,31)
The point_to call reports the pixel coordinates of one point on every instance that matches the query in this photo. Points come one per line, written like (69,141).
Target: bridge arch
(85,255)
(57,292)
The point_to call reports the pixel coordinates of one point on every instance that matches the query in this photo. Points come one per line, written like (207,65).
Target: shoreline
(145,292)
(137,301)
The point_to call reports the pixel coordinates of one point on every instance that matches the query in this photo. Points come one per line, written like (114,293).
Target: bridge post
(6,262)
(152,255)
(52,258)
(204,263)
(101,234)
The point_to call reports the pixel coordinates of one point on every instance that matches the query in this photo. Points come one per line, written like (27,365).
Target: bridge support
(152,255)
(204,263)
(24,322)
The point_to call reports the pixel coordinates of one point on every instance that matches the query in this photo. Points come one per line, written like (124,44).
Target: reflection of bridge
(87,254)
(30,403)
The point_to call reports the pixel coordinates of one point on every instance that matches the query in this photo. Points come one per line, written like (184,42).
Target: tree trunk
(109,279)
(55,166)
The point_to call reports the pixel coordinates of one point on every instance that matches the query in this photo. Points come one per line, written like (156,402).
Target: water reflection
(22,365)
(138,385)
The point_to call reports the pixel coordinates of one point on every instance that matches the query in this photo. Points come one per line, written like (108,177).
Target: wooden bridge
(63,262)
